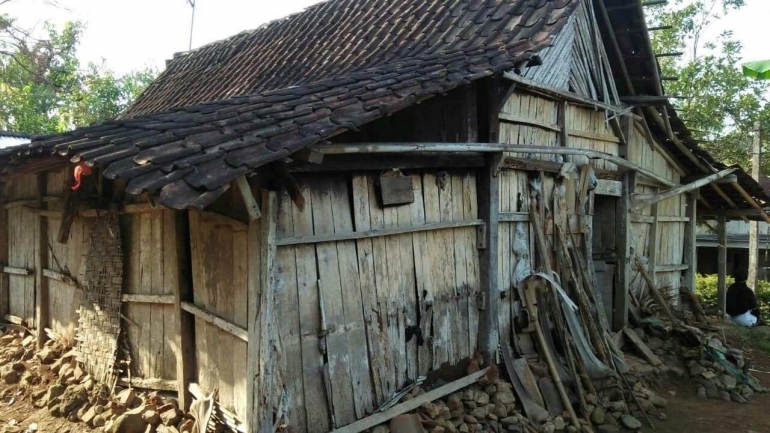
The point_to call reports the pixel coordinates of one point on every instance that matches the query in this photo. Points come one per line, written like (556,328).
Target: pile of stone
(55,381)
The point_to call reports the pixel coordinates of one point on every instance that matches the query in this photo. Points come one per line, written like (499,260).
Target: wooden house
(307,216)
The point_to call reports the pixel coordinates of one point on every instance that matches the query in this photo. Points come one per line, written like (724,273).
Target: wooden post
(184,333)
(690,241)
(652,242)
(623,253)
(756,158)
(262,333)
(489,210)
(722,263)
(41,262)
(4,292)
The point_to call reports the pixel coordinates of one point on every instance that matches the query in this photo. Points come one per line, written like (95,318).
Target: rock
(47,356)
(500,411)
(662,416)
(37,395)
(98,421)
(430,409)
(608,429)
(482,398)
(89,415)
(18,367)
(598,416)
(151,417)
(438,429)
(170,416)
(72,398)
(592,399)
(11,376)
(504,396)
(470,419)
(630,422)
(654,343)
(702,393)
(464,428)
(559,423)
(382,428)
(547,427)
(455,402)
(656,400)
(728,381)
(130,423)
(127,397)
(724,395)
(511,420)
(404,424)
(480,412)
(711,390)
(738,398)
(708,374)
(696,369)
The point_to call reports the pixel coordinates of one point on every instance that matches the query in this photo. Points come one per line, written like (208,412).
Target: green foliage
(45,89)
(720,104)
(706,288)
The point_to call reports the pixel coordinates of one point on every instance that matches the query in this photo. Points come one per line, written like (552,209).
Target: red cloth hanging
(80,170)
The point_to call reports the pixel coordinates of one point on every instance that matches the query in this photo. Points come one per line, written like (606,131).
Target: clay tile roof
(232,106)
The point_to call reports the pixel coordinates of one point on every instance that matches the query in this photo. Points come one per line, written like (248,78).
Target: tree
(45,89)
(718,103)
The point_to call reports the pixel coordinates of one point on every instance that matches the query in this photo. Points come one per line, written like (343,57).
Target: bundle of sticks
(563,306)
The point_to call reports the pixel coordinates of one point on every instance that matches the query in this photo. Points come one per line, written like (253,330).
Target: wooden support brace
(147,299)
(41,262)
(721,263)
(489,210)
(623,242)
(248,198)
(412,404)
(216,321)
(640,204)
(184,324)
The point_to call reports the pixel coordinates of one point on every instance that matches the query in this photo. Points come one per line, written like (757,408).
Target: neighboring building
(737,245)
(355,279)
(10,139)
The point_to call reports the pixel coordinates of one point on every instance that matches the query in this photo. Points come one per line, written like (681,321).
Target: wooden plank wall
(372,290)
(64,299)
(669,242)
(529,120)
(23,241)
(588,129)
(148,241)
(220,254)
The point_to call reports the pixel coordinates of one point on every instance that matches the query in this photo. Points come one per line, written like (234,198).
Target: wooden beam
(314,239)
(16,271)
(672,54)
(652,242)
(362,148)
(613,188)
(380,162)
(489,209)
(147,299)
(690,241)
(42,313)
(16,320)
(129,209)
(659,299)
(510,118)
(4,287)
(513,217)
(564,131)
(721,264)
(644,100)
(658,28)
(659,269)
(177,241)
(538,165)
(731,178)
(751,201)
(216,321)
(248,197)
(651,357)
(563,95)
(60,277)
(150,384)
(641,204)
(623,245)
(412,404)
(730,213)
(262,335)
(308,155)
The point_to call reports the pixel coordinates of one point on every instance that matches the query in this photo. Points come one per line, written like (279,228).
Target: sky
(131,34)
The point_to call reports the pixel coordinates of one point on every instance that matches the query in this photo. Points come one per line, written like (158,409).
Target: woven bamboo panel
(99,323)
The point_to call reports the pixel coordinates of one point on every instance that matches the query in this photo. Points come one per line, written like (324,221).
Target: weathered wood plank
(412,404)
(287,308)
(648,354)
(16,271)
(147,299)
(216,321)
(690,241)
(335,237)
(489,203)
(623,244)
(721,264)
(180,282)
(151,384)
(331,307)
(317,414)
(252,208)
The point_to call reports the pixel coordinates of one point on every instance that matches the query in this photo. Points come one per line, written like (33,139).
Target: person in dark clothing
(741,303)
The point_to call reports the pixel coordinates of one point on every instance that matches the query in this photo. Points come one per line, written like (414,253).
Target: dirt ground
(687,413)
